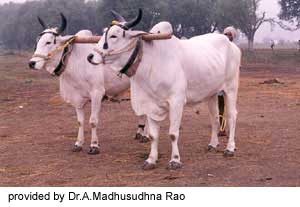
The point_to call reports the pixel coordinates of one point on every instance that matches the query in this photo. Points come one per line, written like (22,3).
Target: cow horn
(42,23)
(135,21)
(118,16)
(63,24)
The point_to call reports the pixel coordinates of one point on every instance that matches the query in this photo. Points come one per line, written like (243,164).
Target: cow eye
(48,43)
(113,36)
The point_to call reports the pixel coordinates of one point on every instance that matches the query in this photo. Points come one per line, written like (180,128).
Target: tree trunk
(251,41)
(250,44)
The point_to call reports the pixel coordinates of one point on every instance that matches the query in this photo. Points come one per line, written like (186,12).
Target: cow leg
(80,138)
(214,120)
(141,133)
(96,98)
(153,127)
(176,109)
(146,130)
(231,99)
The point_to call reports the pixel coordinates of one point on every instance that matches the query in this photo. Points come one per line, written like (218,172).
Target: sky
(271,8)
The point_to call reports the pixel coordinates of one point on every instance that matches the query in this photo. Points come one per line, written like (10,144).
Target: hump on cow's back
(162,27)
(84,33)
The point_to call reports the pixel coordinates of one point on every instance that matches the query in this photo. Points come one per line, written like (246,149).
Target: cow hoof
(76,148)
(138,136)
(174,165)
(94,151)
(148,166)
(210,148)
(144,139)
(228,153)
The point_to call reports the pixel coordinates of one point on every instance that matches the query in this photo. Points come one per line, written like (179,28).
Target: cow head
(47,43)
(117,42)
(231,33)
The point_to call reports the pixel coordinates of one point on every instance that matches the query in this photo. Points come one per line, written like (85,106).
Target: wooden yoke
(150,37)
(91,39)
(146,37)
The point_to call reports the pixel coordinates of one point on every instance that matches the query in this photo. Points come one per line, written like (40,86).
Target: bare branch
(287,27)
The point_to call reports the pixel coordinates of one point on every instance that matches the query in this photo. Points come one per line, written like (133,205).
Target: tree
(193,17)
(290,11)
(189,18)
(20,28)
(244,15)
(7,16)
(129,9)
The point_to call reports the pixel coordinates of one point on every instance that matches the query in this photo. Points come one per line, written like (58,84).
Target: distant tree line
(290,11)
(19,26)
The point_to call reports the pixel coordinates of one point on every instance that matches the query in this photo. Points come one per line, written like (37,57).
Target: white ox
(172,73)
(80,82)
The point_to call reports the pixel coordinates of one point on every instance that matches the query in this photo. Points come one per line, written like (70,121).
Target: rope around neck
(127,48)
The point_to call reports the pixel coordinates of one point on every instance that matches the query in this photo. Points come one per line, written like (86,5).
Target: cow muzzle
(36,64)
(32,64)
(90,59)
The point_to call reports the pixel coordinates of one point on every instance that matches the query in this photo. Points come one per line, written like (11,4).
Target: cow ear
(105,29)
(64,39)
(133,34)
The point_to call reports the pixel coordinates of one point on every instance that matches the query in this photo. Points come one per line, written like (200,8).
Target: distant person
(272,45)
(299,45)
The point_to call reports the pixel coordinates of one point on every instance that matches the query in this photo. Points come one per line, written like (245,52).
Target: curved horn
(63,24)
(42,23)
(118,16)
(135,21)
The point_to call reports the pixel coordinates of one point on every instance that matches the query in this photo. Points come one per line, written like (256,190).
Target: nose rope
(127,48)
(102,56)
(67,48)
(55,51)
(135,44)
(44,57)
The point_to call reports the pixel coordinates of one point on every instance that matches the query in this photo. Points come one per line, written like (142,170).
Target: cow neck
(134,60)
(60,68)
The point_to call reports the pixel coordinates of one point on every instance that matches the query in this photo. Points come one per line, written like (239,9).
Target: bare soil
(38,130)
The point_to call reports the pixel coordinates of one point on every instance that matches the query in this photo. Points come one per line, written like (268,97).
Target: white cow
(167,74)
(80,82)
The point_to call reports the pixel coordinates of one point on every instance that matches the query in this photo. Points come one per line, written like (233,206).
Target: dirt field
(37,132)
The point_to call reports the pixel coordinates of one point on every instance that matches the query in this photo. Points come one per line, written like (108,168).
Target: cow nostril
(32,64)
(90,57)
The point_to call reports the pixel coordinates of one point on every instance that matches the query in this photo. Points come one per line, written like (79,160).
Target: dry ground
(37,132)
